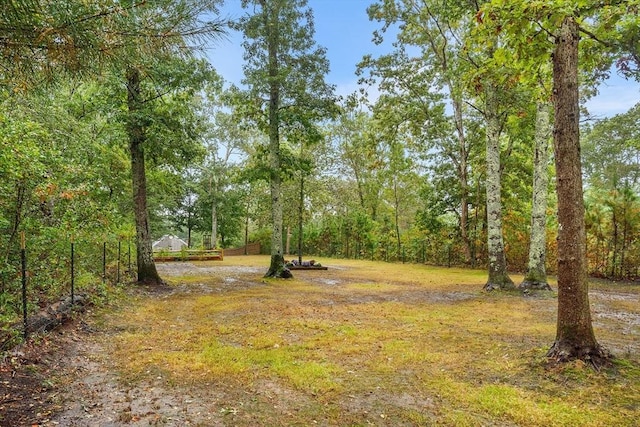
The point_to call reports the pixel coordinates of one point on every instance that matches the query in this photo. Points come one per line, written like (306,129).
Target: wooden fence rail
(250,249)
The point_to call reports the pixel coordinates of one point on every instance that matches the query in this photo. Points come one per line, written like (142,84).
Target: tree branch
(594,37)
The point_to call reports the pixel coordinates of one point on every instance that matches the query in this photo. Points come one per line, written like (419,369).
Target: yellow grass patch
(379,343)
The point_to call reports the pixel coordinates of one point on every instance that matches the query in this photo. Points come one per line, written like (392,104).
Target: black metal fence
(115,267)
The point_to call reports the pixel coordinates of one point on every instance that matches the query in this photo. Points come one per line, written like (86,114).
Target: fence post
(72,272)
(118,276)
(23,258)
(104,262)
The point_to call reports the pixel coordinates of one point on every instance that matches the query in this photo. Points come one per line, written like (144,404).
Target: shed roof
(169,242)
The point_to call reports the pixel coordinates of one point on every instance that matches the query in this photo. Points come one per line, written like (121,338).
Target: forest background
(385,179)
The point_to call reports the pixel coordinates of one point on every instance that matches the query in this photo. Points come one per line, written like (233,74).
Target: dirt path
(68,378)
(96,396)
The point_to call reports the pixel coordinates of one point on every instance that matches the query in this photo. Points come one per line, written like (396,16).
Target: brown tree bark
(147,272)
(574,335)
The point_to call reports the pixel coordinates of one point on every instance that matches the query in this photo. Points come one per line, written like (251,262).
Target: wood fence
(190,255)
(251,249)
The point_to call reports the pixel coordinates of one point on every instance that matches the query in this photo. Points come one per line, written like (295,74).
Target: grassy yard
(368,343)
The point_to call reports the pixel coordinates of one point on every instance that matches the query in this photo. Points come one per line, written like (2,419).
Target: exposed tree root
(534,285)
(152,283)
(492,286)
(279,273)
(278,269)
(595,356)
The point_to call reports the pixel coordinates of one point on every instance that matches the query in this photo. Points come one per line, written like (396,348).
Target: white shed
(169,242)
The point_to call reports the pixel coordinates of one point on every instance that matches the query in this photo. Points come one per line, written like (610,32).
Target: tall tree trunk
(214,223)
(498,277)
(474,247)
(614,252)
(536,276)
(356,174)
(277,267)
(574,335)
(246,228)
(147,272)
(300,217)
(189,219)
(463,176)
(347,235)
(623,249)
(396,208)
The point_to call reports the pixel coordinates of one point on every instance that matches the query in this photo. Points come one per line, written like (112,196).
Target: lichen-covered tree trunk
(147,272)
(277,267)
(536,276)
(498,277)
(574,334)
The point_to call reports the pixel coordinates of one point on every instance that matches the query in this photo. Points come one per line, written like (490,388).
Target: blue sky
(344,29)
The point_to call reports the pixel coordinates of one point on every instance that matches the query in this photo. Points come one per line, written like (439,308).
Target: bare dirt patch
(26,394)
(96,395)
(192,269)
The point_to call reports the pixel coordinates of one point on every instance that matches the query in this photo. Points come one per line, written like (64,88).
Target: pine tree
(286,94)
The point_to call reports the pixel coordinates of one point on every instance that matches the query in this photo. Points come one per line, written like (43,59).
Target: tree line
(113,123)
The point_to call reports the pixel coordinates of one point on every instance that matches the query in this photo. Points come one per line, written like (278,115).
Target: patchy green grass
(375,343)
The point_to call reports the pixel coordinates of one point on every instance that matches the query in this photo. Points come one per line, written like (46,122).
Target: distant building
(170,243)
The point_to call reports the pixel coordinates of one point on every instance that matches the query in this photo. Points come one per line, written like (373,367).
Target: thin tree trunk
(356,174)
(536,276)
(498,277)
(574,335)
(396,200)
(602,263)
(189,220)
(623,250)
(214,224)
(147,272)
(246,228)
(463,177)
(614,260)
(474,253)
(346,232)
(300,219)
